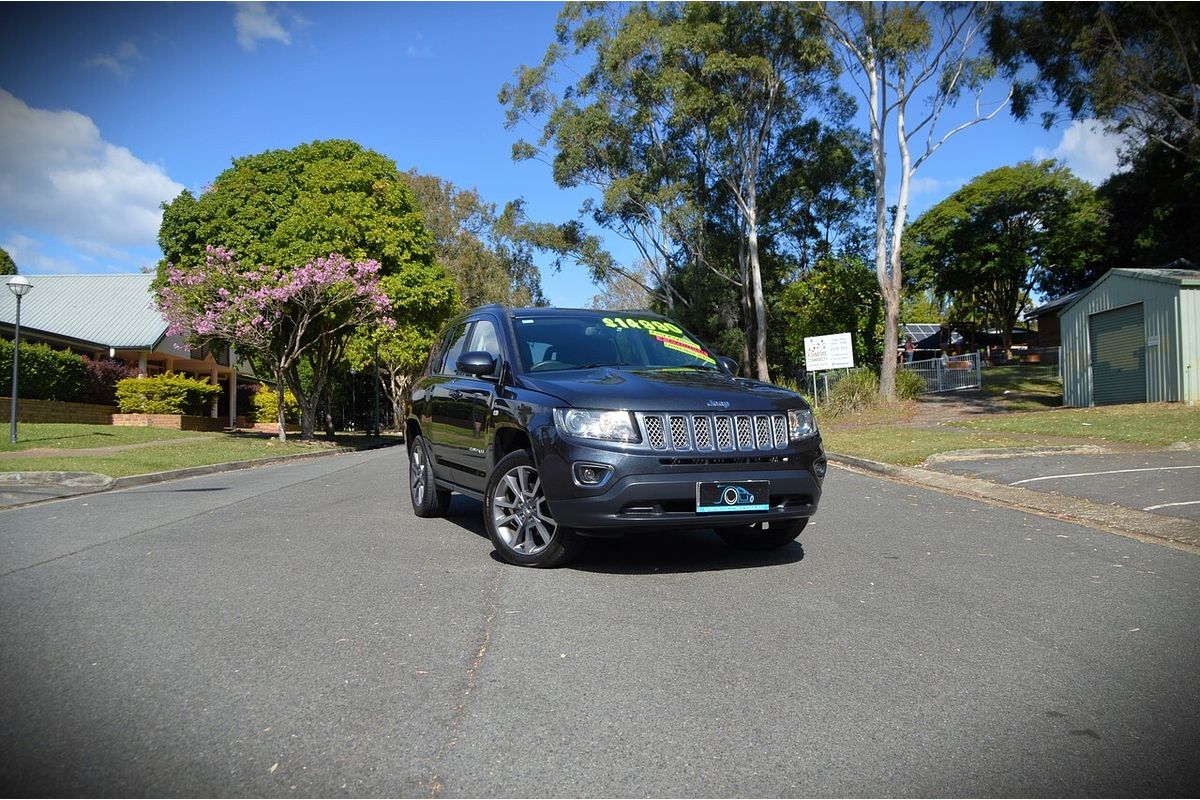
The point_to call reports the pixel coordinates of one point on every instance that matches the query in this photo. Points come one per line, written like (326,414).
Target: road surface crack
(460,709)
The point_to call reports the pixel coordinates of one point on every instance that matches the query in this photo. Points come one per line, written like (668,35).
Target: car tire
(518,517)
(753,537)
(427,499)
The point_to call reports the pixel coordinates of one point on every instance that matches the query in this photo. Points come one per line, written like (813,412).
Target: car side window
(484,339)
(458,342)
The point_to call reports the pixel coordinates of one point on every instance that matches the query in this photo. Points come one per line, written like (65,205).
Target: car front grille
(724,433)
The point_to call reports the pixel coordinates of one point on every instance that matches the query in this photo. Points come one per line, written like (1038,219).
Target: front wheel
(754,537)
(518,517)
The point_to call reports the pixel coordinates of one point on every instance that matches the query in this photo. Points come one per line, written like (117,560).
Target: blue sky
(106,110)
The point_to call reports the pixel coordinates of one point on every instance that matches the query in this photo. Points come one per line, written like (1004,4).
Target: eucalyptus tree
(610,131)
(680,107)
(911,62)
(471,242)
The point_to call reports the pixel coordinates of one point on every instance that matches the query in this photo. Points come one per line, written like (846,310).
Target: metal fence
(948,373)
(818,384)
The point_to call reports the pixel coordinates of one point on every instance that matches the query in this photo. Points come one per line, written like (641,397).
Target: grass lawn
(76,448)
(1157,424)
(892,434)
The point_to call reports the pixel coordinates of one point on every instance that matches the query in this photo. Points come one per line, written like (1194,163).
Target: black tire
(753,537)
(427,499)
(518,517)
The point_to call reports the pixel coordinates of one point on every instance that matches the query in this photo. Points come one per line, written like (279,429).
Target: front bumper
(646,490)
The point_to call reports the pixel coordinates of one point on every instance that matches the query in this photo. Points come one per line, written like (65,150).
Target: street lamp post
(19,285)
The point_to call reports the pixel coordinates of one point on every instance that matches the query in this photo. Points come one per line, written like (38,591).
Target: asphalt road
(1166,482)
(294,631)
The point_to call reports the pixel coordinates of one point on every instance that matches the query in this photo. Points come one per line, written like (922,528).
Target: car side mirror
(477,363)
(729,364)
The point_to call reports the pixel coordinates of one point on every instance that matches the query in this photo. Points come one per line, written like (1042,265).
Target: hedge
(46,374)
(166,394)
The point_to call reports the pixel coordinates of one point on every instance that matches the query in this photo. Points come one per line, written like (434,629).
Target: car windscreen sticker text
(668,334)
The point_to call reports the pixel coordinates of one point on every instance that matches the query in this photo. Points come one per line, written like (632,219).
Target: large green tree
(1134,65)
(1003,234)
(284,209)
(287,207)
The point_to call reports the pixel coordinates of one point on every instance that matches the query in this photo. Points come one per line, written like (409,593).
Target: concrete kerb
(73,484)
(1174,532)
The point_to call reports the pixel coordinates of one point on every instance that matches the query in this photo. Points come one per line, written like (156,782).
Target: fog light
(591,474)
(819,467)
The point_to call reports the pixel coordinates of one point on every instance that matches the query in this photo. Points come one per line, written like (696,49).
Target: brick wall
(173,421)
(57,411)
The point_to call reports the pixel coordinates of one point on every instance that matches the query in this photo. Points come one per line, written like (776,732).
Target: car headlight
(801,423)
(614,426)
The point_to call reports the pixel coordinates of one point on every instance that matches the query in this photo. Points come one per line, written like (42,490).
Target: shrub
(265,409)
(102,377)
(856,392)
(165,394)
(909,385)
(46,374)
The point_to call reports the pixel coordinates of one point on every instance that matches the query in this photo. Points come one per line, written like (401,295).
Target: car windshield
(560,342)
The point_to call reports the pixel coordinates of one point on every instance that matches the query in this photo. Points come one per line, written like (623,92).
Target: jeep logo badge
(718,404)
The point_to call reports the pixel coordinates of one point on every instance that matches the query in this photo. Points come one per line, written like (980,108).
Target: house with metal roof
(112,316)
(1133,336)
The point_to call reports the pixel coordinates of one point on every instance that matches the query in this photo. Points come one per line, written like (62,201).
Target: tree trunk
(761,369)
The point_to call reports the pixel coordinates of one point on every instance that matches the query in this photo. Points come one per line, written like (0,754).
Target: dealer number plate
(715,497)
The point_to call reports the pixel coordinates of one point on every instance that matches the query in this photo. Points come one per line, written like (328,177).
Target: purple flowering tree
(278,316)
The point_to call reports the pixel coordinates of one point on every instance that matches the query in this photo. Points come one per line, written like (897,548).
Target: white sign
(835,351)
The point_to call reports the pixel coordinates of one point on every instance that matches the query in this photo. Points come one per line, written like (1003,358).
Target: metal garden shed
(1133,337)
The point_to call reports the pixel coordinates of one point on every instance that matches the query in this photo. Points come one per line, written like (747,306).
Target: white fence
(948,373)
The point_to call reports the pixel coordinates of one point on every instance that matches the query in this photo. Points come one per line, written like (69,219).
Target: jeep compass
(573,423)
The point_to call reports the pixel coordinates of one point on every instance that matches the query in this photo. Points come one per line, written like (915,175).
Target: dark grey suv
(573,423)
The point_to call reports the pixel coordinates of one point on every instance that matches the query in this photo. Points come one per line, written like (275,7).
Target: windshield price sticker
(669,334)
(685,346)
(655,325)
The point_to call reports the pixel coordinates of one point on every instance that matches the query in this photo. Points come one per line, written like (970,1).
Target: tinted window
(458,341)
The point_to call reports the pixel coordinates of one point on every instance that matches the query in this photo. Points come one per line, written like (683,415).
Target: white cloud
(119,62)
(30,258)
(59,177)
(1091,152)
(255,22)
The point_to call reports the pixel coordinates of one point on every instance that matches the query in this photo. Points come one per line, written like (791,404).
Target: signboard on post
(835,351)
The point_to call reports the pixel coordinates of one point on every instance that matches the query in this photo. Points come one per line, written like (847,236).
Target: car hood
(661,390)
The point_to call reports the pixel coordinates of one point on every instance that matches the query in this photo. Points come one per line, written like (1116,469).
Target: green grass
(1157,425)
(906,445)
(31,435)
(148,449)
(891,435)
(1024,387)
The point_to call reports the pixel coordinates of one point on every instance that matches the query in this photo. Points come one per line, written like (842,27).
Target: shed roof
(113,310)
(1169,275)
